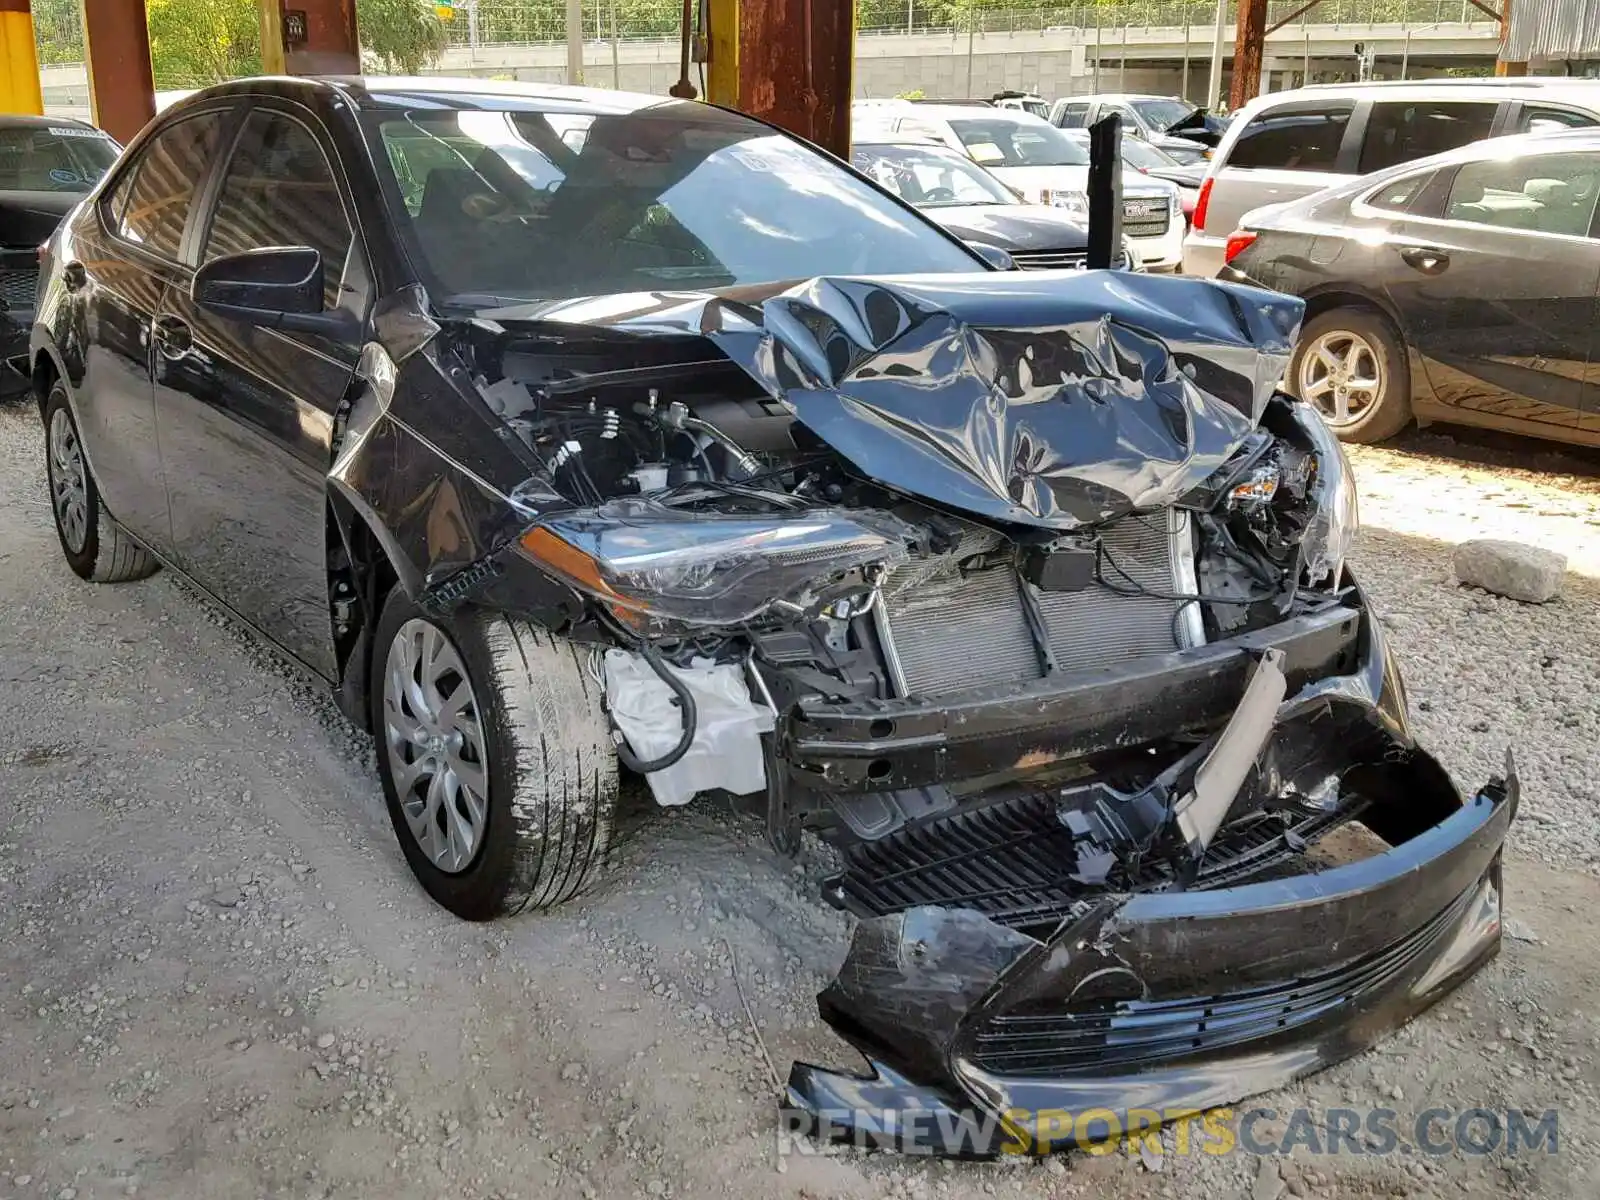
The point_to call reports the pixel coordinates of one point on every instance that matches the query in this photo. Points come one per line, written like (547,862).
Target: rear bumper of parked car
(1202,255)
(987,1036)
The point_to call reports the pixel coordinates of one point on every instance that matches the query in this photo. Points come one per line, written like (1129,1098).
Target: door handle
(172,335)
(73,276)
(1430,260)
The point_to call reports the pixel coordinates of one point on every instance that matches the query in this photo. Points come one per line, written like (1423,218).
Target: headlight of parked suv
(698,568)
(1075,203)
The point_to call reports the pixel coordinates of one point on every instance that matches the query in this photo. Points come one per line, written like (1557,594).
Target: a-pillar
(19,60)
(1249,45)
(331,46)
(117,45)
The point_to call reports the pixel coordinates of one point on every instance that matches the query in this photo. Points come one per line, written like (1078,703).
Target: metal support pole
(472,29)
(1122,61)
(1214,94)
(1096,49)
(616,51)
(574,42)
(1305,64)
(1184,90)
(1405,53)
(972,32)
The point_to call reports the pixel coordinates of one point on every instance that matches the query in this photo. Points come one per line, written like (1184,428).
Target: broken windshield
(554,205)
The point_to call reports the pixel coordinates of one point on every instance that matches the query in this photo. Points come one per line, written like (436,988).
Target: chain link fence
(515,22)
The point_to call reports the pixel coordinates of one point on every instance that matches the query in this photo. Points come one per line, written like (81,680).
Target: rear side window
(1546,193)
(1073,116)
(1536,119)
(1401,194)
(1403,131)
(162,189)
(1297,138)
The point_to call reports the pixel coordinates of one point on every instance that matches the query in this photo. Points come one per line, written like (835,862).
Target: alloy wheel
(1343,376)
(433,736)
(69,482)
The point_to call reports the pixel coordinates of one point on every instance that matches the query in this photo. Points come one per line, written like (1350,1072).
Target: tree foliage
(196,42)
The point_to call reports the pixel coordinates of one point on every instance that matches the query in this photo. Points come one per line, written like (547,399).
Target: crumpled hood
(1050,399)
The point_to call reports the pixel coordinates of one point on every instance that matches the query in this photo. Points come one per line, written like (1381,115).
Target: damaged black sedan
(570,434)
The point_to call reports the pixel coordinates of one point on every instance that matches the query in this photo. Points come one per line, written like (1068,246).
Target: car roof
(376,92)
(27,121)
(1588,89)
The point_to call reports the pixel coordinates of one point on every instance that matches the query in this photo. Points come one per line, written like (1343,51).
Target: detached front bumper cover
(987,1036)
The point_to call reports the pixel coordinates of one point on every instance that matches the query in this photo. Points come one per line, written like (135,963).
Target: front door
(1500,292)
(247,412)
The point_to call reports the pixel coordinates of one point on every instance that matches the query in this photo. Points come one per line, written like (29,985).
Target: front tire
(94,545)
(1351,366)
(498,767)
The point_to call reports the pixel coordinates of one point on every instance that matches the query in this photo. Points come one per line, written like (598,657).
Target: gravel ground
(217,979)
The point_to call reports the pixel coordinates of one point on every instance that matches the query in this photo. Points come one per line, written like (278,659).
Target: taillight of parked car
(1200,205)
(1239,241)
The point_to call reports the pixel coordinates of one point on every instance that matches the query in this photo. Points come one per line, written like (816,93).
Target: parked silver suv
(1290,144)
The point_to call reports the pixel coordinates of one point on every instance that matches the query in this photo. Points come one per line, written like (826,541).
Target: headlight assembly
(1334,518)
(649,559)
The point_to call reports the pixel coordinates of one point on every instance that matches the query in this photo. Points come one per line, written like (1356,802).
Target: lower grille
(1146,217)
(1009,860)
(947,632)
(1144,1033)
(18,285)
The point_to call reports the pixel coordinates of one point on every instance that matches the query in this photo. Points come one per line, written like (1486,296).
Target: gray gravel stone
(1527,573)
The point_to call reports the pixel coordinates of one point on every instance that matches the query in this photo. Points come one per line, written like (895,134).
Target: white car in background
(1036,160)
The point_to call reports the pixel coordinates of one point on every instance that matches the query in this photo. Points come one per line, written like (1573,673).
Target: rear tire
(1339,352)
(529,729)
(94,545)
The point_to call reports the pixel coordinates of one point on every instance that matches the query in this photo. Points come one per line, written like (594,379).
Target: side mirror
(278,287)
(993,255)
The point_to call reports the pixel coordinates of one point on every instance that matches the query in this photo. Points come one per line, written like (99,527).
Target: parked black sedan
(47,164)
(568,432)
(1456,288)
(965,199)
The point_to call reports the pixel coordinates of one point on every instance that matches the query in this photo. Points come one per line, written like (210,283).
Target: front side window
(514,205)
(1404,131)
(1547,193)
(155,206)
(53,158)
(930,178)
(1301,138)
(1001,143)
(280,191)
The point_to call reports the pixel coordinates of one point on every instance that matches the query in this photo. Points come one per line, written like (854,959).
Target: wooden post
(122,94)
(1249,47)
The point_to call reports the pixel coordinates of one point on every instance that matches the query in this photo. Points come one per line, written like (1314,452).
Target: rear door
(1402,131)
(1284,152)
(126,255)
(1501,277)
(247,412)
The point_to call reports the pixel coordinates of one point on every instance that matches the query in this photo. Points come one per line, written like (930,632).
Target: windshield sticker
(62,175)
(74,131)
(986,152)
